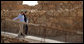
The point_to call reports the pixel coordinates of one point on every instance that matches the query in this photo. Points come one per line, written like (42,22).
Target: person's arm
(17,17)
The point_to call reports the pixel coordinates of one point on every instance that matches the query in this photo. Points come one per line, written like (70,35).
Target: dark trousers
(25,27)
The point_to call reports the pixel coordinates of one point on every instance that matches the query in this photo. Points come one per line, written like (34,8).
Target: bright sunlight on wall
(30,3)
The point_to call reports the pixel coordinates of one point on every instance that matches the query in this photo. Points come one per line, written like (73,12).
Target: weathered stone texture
(56,15)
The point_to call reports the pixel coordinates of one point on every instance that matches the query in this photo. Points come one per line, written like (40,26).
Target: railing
(51,33)
(21,23)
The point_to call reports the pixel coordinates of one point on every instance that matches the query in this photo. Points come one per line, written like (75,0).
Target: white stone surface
(39,39)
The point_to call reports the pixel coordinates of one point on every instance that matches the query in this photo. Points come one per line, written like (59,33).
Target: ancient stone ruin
(61,20)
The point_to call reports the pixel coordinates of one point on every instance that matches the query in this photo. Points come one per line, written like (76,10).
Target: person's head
(23,12)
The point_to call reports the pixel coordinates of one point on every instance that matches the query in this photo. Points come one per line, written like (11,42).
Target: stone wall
(59,18)
(13,5)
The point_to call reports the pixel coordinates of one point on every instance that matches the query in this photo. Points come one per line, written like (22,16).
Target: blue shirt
(20,17)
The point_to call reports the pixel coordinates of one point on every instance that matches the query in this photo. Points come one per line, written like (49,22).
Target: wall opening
(30,3)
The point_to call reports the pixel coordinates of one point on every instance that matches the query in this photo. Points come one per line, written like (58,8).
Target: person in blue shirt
(22,18)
